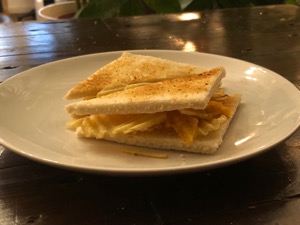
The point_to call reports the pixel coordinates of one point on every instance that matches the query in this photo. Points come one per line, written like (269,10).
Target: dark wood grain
(262,190)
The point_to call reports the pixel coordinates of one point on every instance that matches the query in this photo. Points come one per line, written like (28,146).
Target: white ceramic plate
(32,117)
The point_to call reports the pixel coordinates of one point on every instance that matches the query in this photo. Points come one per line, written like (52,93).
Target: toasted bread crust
(131,69)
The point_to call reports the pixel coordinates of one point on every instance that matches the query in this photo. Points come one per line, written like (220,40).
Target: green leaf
(132,8)
(184,3)
(101,8)
(163,6)
(293,2)
(236,3)
(198,5)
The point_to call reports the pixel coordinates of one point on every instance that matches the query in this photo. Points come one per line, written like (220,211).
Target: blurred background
(23,10)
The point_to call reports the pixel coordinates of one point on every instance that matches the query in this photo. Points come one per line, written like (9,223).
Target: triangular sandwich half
(187,112)
(130,69)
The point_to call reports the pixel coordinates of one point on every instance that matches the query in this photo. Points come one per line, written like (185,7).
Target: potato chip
(185,126)
(205,127)
(140,123)
(187,123)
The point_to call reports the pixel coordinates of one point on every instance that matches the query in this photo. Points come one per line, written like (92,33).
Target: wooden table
(262,190)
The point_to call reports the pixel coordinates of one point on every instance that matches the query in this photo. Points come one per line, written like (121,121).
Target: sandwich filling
(187,124)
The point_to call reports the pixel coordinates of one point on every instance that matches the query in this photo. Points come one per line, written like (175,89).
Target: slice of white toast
(192,91)
(131,69)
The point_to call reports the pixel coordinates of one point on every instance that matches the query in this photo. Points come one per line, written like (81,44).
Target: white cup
(57,11)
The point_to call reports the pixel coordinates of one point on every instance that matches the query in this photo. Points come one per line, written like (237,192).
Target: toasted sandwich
(154,103)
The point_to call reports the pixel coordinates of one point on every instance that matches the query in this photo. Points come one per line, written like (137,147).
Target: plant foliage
(114,8)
